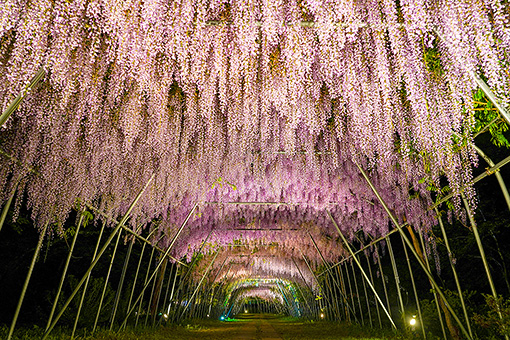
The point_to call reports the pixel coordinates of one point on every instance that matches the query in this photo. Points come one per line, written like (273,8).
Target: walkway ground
(251,327)
(257,328)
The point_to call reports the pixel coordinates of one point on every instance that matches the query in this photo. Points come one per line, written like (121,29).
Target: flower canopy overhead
(246,101)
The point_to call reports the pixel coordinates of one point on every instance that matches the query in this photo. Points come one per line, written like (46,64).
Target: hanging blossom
(245,101)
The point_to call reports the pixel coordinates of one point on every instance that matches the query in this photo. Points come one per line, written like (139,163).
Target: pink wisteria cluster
(264,293)
(265,263)
(245,100)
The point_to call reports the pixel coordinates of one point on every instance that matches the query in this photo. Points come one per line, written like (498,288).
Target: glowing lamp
(412,322)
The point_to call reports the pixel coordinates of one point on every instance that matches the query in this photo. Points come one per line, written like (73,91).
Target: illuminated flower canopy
(246,101)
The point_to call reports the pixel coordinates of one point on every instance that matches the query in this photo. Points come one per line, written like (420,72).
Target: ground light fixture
(412,322)
(322,315)
(246,311)
(222,318)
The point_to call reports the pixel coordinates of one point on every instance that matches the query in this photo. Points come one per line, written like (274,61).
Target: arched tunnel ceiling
(256,111)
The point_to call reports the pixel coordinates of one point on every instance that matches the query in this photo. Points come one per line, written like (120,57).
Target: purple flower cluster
(246,101)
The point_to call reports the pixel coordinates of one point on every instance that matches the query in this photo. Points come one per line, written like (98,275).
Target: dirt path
(259,328)
(267,331)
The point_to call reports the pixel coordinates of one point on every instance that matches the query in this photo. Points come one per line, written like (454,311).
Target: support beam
(5,208)
(454,271)
(346,243)
(422,326)
(27,280)
(106,281)
(98,257)
(501,182)
(62,278)
(488,92)
(17,101)
(174,239)
(329,270)
(410,245)
(86,284)
(135,234)
(121,283)
(474,228)
(382,238)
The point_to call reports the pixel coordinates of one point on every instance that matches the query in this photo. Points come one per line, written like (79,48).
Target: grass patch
(239,328)
(324,330)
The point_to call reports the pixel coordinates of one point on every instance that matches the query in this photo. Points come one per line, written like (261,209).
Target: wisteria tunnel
(254,169)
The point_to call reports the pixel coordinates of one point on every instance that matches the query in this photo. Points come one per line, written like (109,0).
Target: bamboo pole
(5,208)
(349,249)
(342,284)
(106,281)
(350,288)
(375,296)
(374,242)
(340,276)
(26,90)
(135,234)
(367,301)
(160,262)
(315,277)
(383,278)
(409,244)
(156,272)
(101,252)
(477,179)
(501,182)
(172,293)
(397,280)
(121,283)
(329,270)
(174,267)
(138,271)
(435,293)
(482,254)
(455,276)
(414,290)
(143,292)
(306,283)
(62,278)
(488,92)
(357,292)
(27,281)
(86,284)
